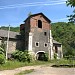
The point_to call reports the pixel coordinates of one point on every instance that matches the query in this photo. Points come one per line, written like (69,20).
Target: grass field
(16,64)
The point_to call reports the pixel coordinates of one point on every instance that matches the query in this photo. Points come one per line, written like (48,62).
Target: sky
(14,12)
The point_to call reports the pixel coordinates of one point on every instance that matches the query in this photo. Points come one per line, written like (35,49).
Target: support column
(30,42)
(51,46)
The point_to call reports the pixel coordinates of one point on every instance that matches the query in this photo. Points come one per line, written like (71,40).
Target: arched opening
(39,24)
(41,56)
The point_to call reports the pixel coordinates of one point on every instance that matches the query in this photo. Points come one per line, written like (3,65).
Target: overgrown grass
(11,65)
(15,64)
(64,63)
(25,72)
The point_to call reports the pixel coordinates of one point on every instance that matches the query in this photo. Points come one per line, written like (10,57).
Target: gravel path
(41,70)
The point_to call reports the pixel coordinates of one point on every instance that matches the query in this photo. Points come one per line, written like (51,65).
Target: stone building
(35,36)
(14,40)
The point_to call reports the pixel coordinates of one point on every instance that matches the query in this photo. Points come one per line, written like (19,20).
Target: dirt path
(53,71)
(17,70)
(41,70)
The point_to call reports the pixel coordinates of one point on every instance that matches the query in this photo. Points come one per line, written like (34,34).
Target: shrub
(55,56)
(22,56)
(46,57)
(1,50)
(2,59)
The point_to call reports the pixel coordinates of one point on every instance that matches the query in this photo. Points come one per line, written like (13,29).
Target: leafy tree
(72,4)
(65,34)
(15,29)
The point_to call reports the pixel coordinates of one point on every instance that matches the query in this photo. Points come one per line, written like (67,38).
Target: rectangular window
(45,45)
(39,24)
(37,44)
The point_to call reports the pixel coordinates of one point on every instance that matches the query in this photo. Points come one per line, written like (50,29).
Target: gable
(41,21)
(38,15)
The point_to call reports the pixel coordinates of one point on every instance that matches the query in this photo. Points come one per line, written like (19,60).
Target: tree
(65,34)
(72,4)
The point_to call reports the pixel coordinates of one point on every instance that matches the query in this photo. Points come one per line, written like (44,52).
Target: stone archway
(40,55)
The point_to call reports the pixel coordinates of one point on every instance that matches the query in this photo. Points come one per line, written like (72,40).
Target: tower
(36,32)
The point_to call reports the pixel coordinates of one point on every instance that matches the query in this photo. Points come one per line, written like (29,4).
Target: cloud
(31,4)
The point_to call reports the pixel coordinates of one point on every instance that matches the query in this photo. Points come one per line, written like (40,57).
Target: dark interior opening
(41,56)
(45,33)
(37,44)
(39,24)
(45,45)
(56,49)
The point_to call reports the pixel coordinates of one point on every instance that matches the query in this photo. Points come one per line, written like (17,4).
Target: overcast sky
(14,12)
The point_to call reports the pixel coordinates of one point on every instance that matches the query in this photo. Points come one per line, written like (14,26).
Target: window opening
(45,45)
(37,44)
(56,49)
(45,33)
(39,24)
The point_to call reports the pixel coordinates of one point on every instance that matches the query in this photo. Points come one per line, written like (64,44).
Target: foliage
(72,17)
(12,65)
(43,57)
(46,57)
(3,46)
(22,56)
(25,72)
(2,52)
(55,56)
(64,63)
(72,4)
(16,64)
(15,29)
(65,34)
(2,59)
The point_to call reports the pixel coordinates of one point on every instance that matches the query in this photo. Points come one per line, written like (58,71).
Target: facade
(38,39)
(35,36)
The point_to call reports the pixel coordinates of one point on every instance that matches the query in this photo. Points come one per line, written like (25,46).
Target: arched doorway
(40,55)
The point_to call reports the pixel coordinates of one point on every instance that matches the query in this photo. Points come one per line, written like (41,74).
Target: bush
(22,56)
(1,50)
(46,57)
(55,56)
(2,59)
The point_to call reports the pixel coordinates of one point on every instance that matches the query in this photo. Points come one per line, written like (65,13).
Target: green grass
(25,72)
(16,64)
(64,63)
(11,65)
